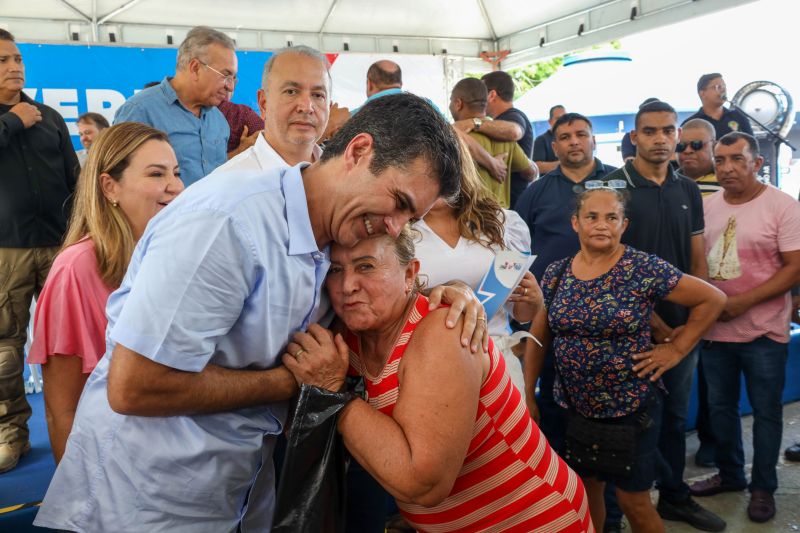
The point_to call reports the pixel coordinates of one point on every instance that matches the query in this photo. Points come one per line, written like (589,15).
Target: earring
(114,203)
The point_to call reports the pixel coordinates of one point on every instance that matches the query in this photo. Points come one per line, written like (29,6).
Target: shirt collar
(301,234)
(598,169)
(168,91)
(635,179)
(172,97)
(269,157)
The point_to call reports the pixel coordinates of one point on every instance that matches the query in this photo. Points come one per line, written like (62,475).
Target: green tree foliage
(528,77)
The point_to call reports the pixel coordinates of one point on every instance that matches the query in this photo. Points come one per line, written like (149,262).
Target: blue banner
(74,79)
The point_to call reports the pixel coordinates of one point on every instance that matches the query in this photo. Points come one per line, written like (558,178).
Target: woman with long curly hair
(459,240)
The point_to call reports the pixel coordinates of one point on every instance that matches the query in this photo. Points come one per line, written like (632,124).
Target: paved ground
(732,507)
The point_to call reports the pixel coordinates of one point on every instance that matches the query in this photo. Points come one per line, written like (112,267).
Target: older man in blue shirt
(185,106)
(175,428)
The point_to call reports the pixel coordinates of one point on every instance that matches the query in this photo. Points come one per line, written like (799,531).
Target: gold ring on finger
(298,352)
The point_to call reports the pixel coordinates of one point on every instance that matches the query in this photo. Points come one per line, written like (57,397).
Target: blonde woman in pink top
(130,175)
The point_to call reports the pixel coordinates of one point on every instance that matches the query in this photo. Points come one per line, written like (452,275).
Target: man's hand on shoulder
(29,114)
(466,125)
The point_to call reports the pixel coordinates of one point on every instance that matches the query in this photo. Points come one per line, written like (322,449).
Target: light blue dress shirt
(200,143)
(224,275)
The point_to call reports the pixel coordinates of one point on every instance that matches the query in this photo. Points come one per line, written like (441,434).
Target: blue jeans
(763,363)
(672,440)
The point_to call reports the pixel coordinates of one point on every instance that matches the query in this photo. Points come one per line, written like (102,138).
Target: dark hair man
(753,252)
(543,154)
(185,105)
(37,164)
(713,93)
(502,130)
(89,127)
(666,218)
(626,146)
(213,292)
(546,206)
(500,106)
(468,103)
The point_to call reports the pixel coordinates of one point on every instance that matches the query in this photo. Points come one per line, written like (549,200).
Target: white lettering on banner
(104,101)
(65,102)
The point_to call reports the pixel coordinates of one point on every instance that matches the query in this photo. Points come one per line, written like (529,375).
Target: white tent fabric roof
(460,27)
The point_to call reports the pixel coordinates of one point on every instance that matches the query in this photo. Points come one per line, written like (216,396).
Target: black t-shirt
(37,175)
(543,147)
(662,220)
(518,183)
(731,120)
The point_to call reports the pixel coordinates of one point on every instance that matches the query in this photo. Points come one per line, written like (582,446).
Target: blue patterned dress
(598,325)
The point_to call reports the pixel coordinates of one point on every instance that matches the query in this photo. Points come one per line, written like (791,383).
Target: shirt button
(317,256)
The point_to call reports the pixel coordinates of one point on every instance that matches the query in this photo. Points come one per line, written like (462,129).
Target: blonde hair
(480,216)
(92,214)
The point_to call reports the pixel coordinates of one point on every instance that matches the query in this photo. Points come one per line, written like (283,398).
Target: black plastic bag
(311,492)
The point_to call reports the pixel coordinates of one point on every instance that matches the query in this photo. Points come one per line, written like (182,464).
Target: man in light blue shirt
(185,106)
(175,428)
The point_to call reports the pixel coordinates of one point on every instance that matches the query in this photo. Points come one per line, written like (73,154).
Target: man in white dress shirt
(294,101)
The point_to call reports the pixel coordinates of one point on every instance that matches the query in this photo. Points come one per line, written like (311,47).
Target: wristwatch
(477,123)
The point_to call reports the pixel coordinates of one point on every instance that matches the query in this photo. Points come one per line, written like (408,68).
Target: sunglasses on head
(696,145)
(600,184)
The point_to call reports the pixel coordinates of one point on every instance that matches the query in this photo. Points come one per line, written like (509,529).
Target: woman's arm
(705,303)
(63,381)
(526,298)
(534,359)
(418,452)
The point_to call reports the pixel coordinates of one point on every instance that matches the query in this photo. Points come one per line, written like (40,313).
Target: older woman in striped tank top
(442,429)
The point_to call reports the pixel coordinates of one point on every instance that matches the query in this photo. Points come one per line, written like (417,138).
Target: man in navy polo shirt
(666,218)
(547,206)
(713,92)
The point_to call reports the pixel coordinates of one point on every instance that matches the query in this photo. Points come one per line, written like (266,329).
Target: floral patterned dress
(597,327)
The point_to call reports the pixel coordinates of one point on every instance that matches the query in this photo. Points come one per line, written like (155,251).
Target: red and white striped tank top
(511,479)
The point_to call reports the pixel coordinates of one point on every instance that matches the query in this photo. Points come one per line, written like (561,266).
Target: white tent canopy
(530,30)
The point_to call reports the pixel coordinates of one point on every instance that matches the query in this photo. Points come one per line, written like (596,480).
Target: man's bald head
(382,75)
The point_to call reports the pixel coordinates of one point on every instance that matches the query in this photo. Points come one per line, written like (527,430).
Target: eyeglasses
(600,184)
(716,87)
(696,145)
(227,79)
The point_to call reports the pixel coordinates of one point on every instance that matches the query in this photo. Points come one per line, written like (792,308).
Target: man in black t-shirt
(500,106)
(713,93)
(38,168)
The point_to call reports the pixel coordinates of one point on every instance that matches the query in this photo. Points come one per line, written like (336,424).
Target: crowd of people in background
(198,261)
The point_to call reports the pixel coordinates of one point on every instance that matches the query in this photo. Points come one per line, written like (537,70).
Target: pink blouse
(71,310)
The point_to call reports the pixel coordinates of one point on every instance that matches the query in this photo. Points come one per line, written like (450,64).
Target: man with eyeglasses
(666,218)
(713,93)
(184,106)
